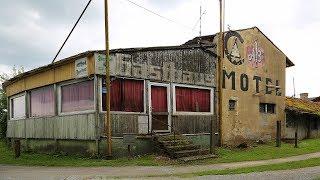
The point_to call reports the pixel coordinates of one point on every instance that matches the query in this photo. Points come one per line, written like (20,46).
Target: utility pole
(107,120)
(220,65)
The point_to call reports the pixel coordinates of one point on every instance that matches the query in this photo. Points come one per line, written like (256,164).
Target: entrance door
(159,107)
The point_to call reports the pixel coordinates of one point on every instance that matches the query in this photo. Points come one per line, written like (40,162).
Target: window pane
(42,102)
(262,107)
(77,97)
(192,99)
(271,108)
(18,109)
(125,95)
(232,104)
(159,99)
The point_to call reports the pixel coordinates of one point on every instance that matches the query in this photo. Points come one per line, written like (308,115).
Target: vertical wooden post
(278,138)
(17,146)
(296,139)
(107,116)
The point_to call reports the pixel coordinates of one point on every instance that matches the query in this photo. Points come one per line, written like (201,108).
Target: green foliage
(3,99)
(3,114)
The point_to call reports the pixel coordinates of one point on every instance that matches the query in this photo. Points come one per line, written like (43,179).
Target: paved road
(21,172)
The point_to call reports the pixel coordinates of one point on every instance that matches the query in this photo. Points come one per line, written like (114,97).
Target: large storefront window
(42,102)
(18,107)
(192,99)
(125,95)
(77,97)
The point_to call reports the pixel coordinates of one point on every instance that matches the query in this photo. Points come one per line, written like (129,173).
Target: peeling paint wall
(254,71)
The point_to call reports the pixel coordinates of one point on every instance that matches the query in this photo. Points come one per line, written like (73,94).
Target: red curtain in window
(159,99)
(125,95)
(192,99)
(77,97)
(42,102)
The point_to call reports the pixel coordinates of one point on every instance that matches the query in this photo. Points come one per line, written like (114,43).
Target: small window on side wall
(232,104)
(17,107)
(267,108)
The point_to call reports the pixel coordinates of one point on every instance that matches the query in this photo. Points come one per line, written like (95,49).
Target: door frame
(150,84)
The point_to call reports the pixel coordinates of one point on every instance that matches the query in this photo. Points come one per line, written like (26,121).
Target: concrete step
(169,137)
(191,152)
(183,147)
(197,157)
(177,142)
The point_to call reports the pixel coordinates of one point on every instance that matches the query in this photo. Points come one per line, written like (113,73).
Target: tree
(3,99)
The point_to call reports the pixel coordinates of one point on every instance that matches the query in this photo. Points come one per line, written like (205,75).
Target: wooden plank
(187,124)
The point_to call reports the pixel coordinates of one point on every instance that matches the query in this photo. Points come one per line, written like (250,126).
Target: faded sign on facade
(81,68)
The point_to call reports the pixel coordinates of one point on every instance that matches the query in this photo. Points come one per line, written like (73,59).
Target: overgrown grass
(261,152)
(273,167)
(31,159)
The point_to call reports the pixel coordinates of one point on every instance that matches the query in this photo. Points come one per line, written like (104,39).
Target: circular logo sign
(233,47)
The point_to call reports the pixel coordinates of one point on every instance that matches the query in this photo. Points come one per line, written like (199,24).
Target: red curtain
(192,99)
(77,97)
(125,95)
(42,102)
(159,99)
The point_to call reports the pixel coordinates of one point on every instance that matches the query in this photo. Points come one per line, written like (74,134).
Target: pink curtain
(125,95)
(77,97)
(42,102)
(192,99)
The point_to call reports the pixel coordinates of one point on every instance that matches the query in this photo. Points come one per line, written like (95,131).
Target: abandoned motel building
(159,90)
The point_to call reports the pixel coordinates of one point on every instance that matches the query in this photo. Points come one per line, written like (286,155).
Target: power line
(71,31)
(159,15)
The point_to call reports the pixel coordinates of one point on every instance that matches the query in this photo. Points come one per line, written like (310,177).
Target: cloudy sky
(31,31)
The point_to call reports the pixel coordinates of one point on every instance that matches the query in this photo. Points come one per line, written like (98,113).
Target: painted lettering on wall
(267,84)
(81,68)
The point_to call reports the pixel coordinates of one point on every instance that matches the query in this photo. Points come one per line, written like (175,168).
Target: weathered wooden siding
(121,123)
(16,128)
(188,66)
(80,126)
(58,74)
(187,124)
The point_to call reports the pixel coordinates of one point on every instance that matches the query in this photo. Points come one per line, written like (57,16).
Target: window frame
(10,105)
(266,108)
(123,112)
(174,108)
(54,102)
(235,105)
(60,113)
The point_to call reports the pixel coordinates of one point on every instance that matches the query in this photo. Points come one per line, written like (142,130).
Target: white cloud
(35,32)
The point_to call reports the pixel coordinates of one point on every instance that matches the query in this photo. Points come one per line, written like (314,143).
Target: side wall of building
(253,73)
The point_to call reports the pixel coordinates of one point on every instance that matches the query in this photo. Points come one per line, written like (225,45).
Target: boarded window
(18,107)
(125,95)
(42,102)
(192,99)
(77,97)
(267,108)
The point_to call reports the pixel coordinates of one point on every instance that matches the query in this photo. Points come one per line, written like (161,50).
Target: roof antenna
(199,40)
(294,88)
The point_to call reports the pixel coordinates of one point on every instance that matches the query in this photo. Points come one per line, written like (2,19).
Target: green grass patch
(34,159)
(261,152)
(272,167)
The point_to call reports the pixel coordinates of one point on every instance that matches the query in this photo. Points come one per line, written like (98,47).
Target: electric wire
(74,26)
(159,15)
